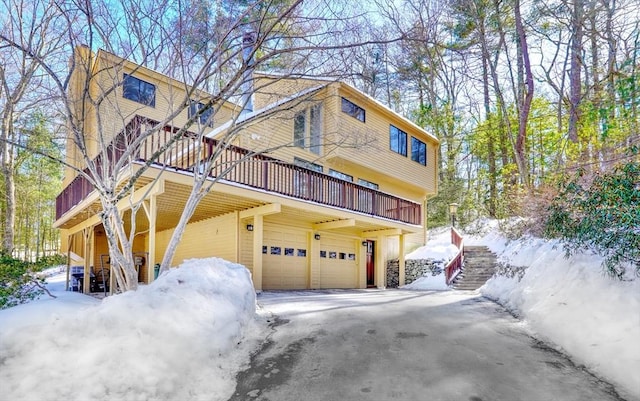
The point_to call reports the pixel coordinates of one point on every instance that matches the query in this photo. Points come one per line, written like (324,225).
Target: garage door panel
(339,269)
(284,266)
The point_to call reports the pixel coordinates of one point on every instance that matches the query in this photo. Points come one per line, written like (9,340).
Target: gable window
(307,128)
(418,151)
(397,140)
(138,90)
(353,110)
(206,118)
(299,127)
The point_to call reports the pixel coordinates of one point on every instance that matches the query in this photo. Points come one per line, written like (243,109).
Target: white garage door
(285,256)
(338,264)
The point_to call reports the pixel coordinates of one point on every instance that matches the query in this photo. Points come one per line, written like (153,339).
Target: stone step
(479,266)
(476,247)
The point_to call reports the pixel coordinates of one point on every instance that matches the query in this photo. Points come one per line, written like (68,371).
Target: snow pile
(174,339)
(573,304)
(438,282)
(439,249)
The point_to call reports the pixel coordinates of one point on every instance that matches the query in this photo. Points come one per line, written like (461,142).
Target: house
(342,189)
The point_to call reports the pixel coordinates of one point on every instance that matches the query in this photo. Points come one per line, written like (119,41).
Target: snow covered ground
(183,337)
(186,335)
(438,248)
(572,304)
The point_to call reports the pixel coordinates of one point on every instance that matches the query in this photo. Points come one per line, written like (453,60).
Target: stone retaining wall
(414,269)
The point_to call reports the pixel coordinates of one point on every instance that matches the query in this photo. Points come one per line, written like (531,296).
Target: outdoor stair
(478,267)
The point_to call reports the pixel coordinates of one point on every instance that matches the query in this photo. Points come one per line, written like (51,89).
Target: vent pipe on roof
(248,47)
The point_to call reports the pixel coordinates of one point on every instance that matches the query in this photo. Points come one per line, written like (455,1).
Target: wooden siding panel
(245,254)
(203,239)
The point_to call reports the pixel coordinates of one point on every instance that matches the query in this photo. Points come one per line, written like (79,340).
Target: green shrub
(50,260)
(602,214)
(17,283)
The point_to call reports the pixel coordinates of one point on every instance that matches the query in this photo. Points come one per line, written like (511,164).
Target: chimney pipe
(248,46)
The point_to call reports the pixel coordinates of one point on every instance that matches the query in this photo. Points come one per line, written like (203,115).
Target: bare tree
(284,34)
(31,24)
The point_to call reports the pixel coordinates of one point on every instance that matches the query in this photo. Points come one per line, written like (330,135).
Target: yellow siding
(203,239)
(246,245)
(350,146)
(270,89)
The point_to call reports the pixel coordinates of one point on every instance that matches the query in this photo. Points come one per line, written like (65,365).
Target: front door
(370,264)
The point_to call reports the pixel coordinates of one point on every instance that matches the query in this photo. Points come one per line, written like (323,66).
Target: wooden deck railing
(241,166)
(454,267)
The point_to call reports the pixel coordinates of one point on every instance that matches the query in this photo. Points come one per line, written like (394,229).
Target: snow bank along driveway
(406,345)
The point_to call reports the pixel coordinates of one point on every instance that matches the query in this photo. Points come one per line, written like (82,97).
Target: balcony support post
(401,261)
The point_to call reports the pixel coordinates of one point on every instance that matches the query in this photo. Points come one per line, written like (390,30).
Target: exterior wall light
(249,227)
(317,236)
(453,211)
(364,243)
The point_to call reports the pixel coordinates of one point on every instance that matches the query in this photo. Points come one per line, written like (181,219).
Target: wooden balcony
(241,166)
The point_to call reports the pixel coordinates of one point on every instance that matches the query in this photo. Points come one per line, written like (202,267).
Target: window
(353,110)
(368,184)
(340,196)
(308,124)
(365,198)
(138,90)
(398,140)
(315,128)
(206,118)
(307,164)
(418,151)
(299,126)
(340,175)
(308,186)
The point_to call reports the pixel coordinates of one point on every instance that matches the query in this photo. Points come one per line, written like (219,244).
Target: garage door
(338,265)
(285,256)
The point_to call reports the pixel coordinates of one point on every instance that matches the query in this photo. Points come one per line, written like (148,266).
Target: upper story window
(368,184)
(342,176)
(398,140)
(307,129)
(307,164)
(418,151)
(138,90)
(206,118)
(353,110)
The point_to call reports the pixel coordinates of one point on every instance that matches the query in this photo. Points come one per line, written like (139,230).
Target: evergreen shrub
(601,214)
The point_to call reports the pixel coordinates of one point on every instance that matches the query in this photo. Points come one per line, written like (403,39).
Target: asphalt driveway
(406,345)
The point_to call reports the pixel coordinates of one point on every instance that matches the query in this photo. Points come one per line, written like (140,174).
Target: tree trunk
(526,93)
(575,83)
(9,186)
